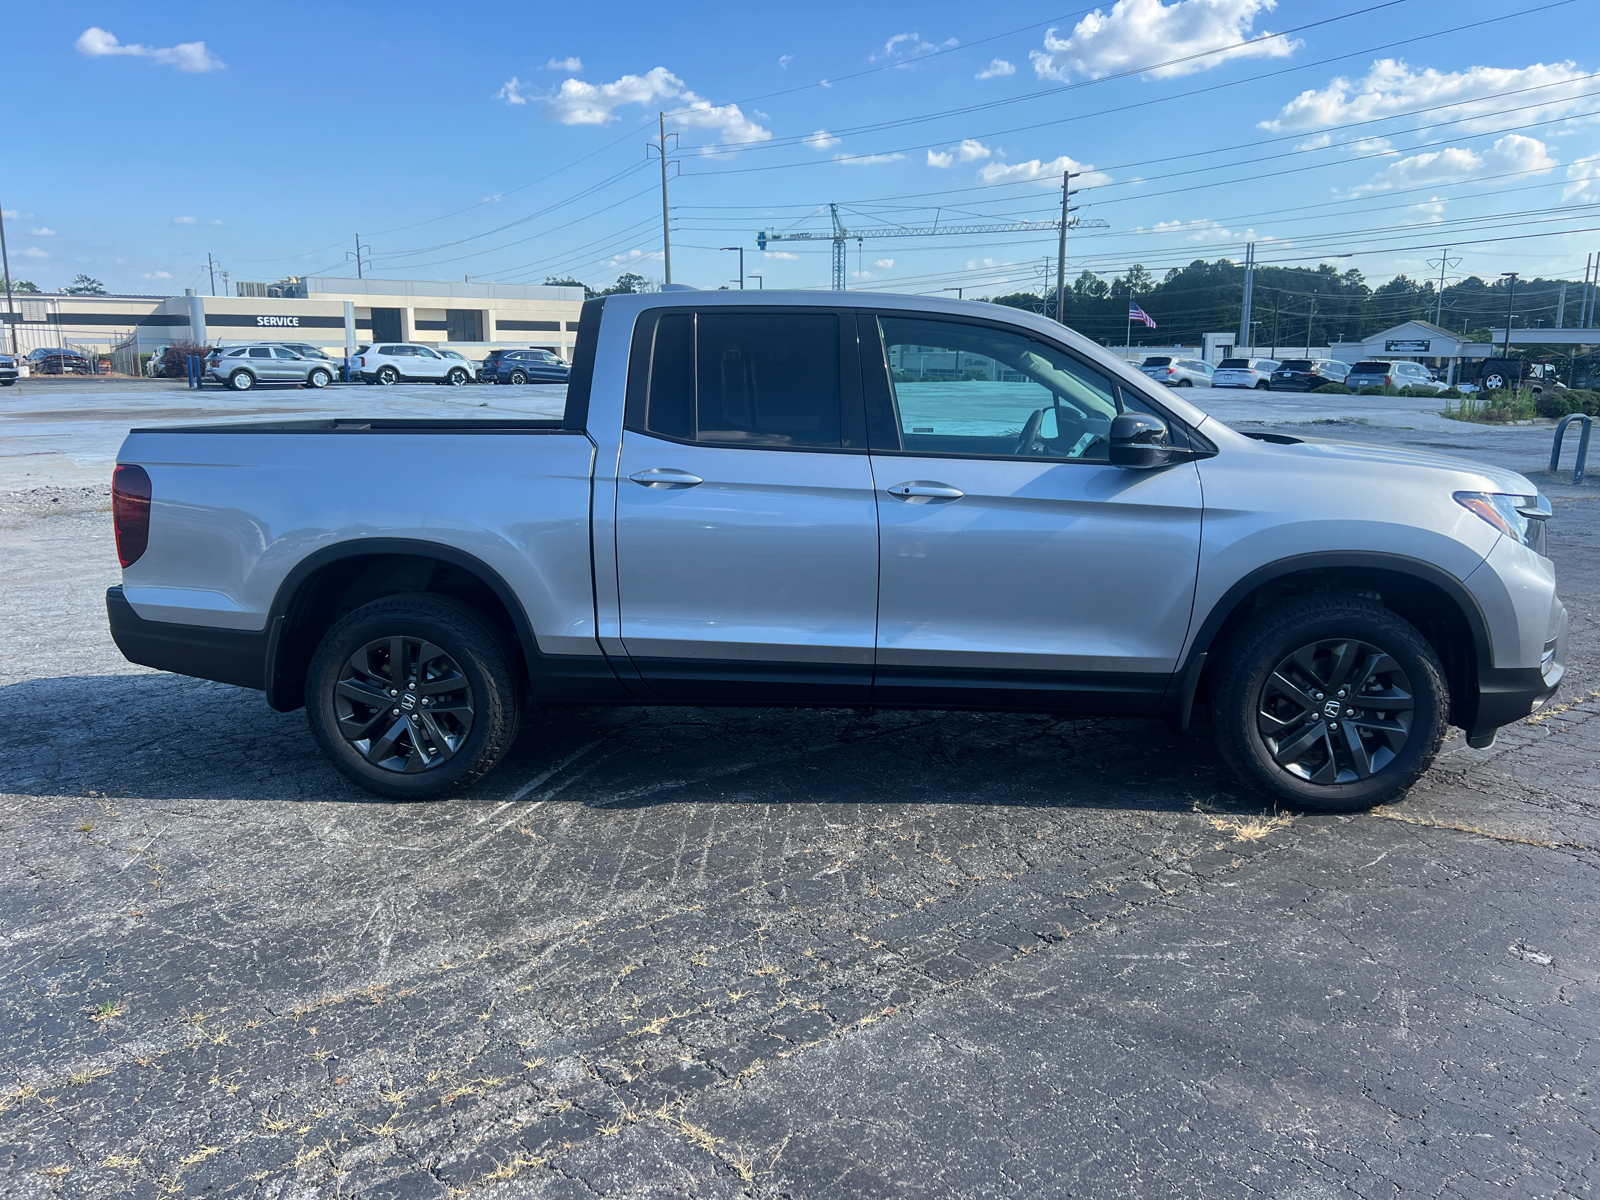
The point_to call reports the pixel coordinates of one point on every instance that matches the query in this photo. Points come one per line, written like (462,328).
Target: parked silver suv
(243,367)
(1178,372)
(1380,374)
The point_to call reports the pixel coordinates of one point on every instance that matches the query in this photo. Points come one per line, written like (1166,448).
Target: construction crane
(841,235)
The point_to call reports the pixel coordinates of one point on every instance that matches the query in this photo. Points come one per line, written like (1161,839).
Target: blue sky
(507,142)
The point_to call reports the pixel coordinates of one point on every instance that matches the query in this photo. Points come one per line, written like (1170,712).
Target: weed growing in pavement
(1492,408)
(106,1010)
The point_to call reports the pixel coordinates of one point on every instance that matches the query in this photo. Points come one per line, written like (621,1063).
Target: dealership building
(337,314)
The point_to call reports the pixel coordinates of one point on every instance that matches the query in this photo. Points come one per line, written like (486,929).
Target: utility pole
(666,229)
(1583,296)
(1511,301)
(5,262)
(1061,251)
(211,270)
(1310,315)
(358,255)
(1249,293)
(1561,306)
(1274,353)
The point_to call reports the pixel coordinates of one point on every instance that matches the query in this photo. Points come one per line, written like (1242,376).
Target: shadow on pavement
(163,737)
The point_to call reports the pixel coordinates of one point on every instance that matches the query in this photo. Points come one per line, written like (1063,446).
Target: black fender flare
(1181,690)
(546,672)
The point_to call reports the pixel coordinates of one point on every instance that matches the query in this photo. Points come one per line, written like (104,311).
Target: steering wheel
(1030,433)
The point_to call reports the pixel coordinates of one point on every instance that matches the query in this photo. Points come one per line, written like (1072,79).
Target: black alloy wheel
(1335,711)
(413,695)
(519,377)
(241,381)
(403,704)
(388,376)
(1331,702)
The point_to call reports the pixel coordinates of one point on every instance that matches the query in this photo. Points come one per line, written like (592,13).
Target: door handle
(922,492)
(665,477)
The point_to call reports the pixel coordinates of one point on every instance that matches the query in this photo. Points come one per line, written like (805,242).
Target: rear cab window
(743,378)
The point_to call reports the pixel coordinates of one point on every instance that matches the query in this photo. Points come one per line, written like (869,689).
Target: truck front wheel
(1332,703)
(413,696)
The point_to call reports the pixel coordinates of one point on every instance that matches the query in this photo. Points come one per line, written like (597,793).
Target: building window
(528,326)
(464,324)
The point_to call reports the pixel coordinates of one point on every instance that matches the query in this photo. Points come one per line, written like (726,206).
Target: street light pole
(959,291)
(740,249)
(761,284)
(5,262)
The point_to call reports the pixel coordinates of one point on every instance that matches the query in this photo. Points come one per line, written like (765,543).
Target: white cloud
(1046,173)
(12,214)
(35,252)
(976,264)
(1431,210)
(1456,164)
(1390,87)
(883,264)
(1316,142)
(95,42)
(44,231)
(1583,181)
(821,140)
(494,199)
(940,158)
(1203,229)
(511,91)
(564,64)
(580,103)
(971,150)
(1139,33)
(784,60)
(184,221)
(1375,145)
(866,160)
(156,275)
(909,45)
(997,68)
(633,258)
(783,255)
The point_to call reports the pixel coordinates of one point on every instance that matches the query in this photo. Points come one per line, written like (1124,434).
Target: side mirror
(1139,442)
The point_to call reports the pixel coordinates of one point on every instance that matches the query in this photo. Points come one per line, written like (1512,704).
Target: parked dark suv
(522,366)
(1307,374)
(56,361)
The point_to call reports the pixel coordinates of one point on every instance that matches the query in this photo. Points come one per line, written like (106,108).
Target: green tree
(84,285)
(627,283)
(23,287)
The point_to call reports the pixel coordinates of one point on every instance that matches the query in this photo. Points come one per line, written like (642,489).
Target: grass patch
(1492,408)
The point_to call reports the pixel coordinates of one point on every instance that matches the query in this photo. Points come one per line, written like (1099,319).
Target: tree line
(1291,306)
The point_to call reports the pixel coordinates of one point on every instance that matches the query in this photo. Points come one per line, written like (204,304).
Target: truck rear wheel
(1332,703)
(413,696)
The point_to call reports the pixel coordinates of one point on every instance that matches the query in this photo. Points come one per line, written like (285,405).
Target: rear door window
(734,378)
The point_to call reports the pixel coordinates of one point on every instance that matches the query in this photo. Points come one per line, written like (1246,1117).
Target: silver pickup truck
(815,499)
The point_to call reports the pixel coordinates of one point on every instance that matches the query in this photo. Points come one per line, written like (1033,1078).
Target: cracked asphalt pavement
(675,953)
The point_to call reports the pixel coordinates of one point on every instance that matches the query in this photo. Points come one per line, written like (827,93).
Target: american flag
(1135,313)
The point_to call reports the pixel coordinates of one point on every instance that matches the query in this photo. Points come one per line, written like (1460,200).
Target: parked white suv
(1245,373)
(398,362)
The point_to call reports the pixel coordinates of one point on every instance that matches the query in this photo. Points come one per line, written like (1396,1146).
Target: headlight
(1521,518)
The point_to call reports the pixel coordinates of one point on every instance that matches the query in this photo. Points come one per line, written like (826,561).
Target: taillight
(1388,381)
(130,512)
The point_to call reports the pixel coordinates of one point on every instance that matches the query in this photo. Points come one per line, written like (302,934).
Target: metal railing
(1583,445)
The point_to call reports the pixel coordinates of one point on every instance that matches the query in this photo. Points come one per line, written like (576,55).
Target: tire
(1263,386)
(1493,382)
(319,378)
(1185,383)
(388,376)
(518,377)
(1300,643)
(456,378)
(241,381)
(427,750)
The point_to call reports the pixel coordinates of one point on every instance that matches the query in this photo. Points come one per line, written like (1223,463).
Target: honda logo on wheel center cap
(409,702)
(1330,709)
